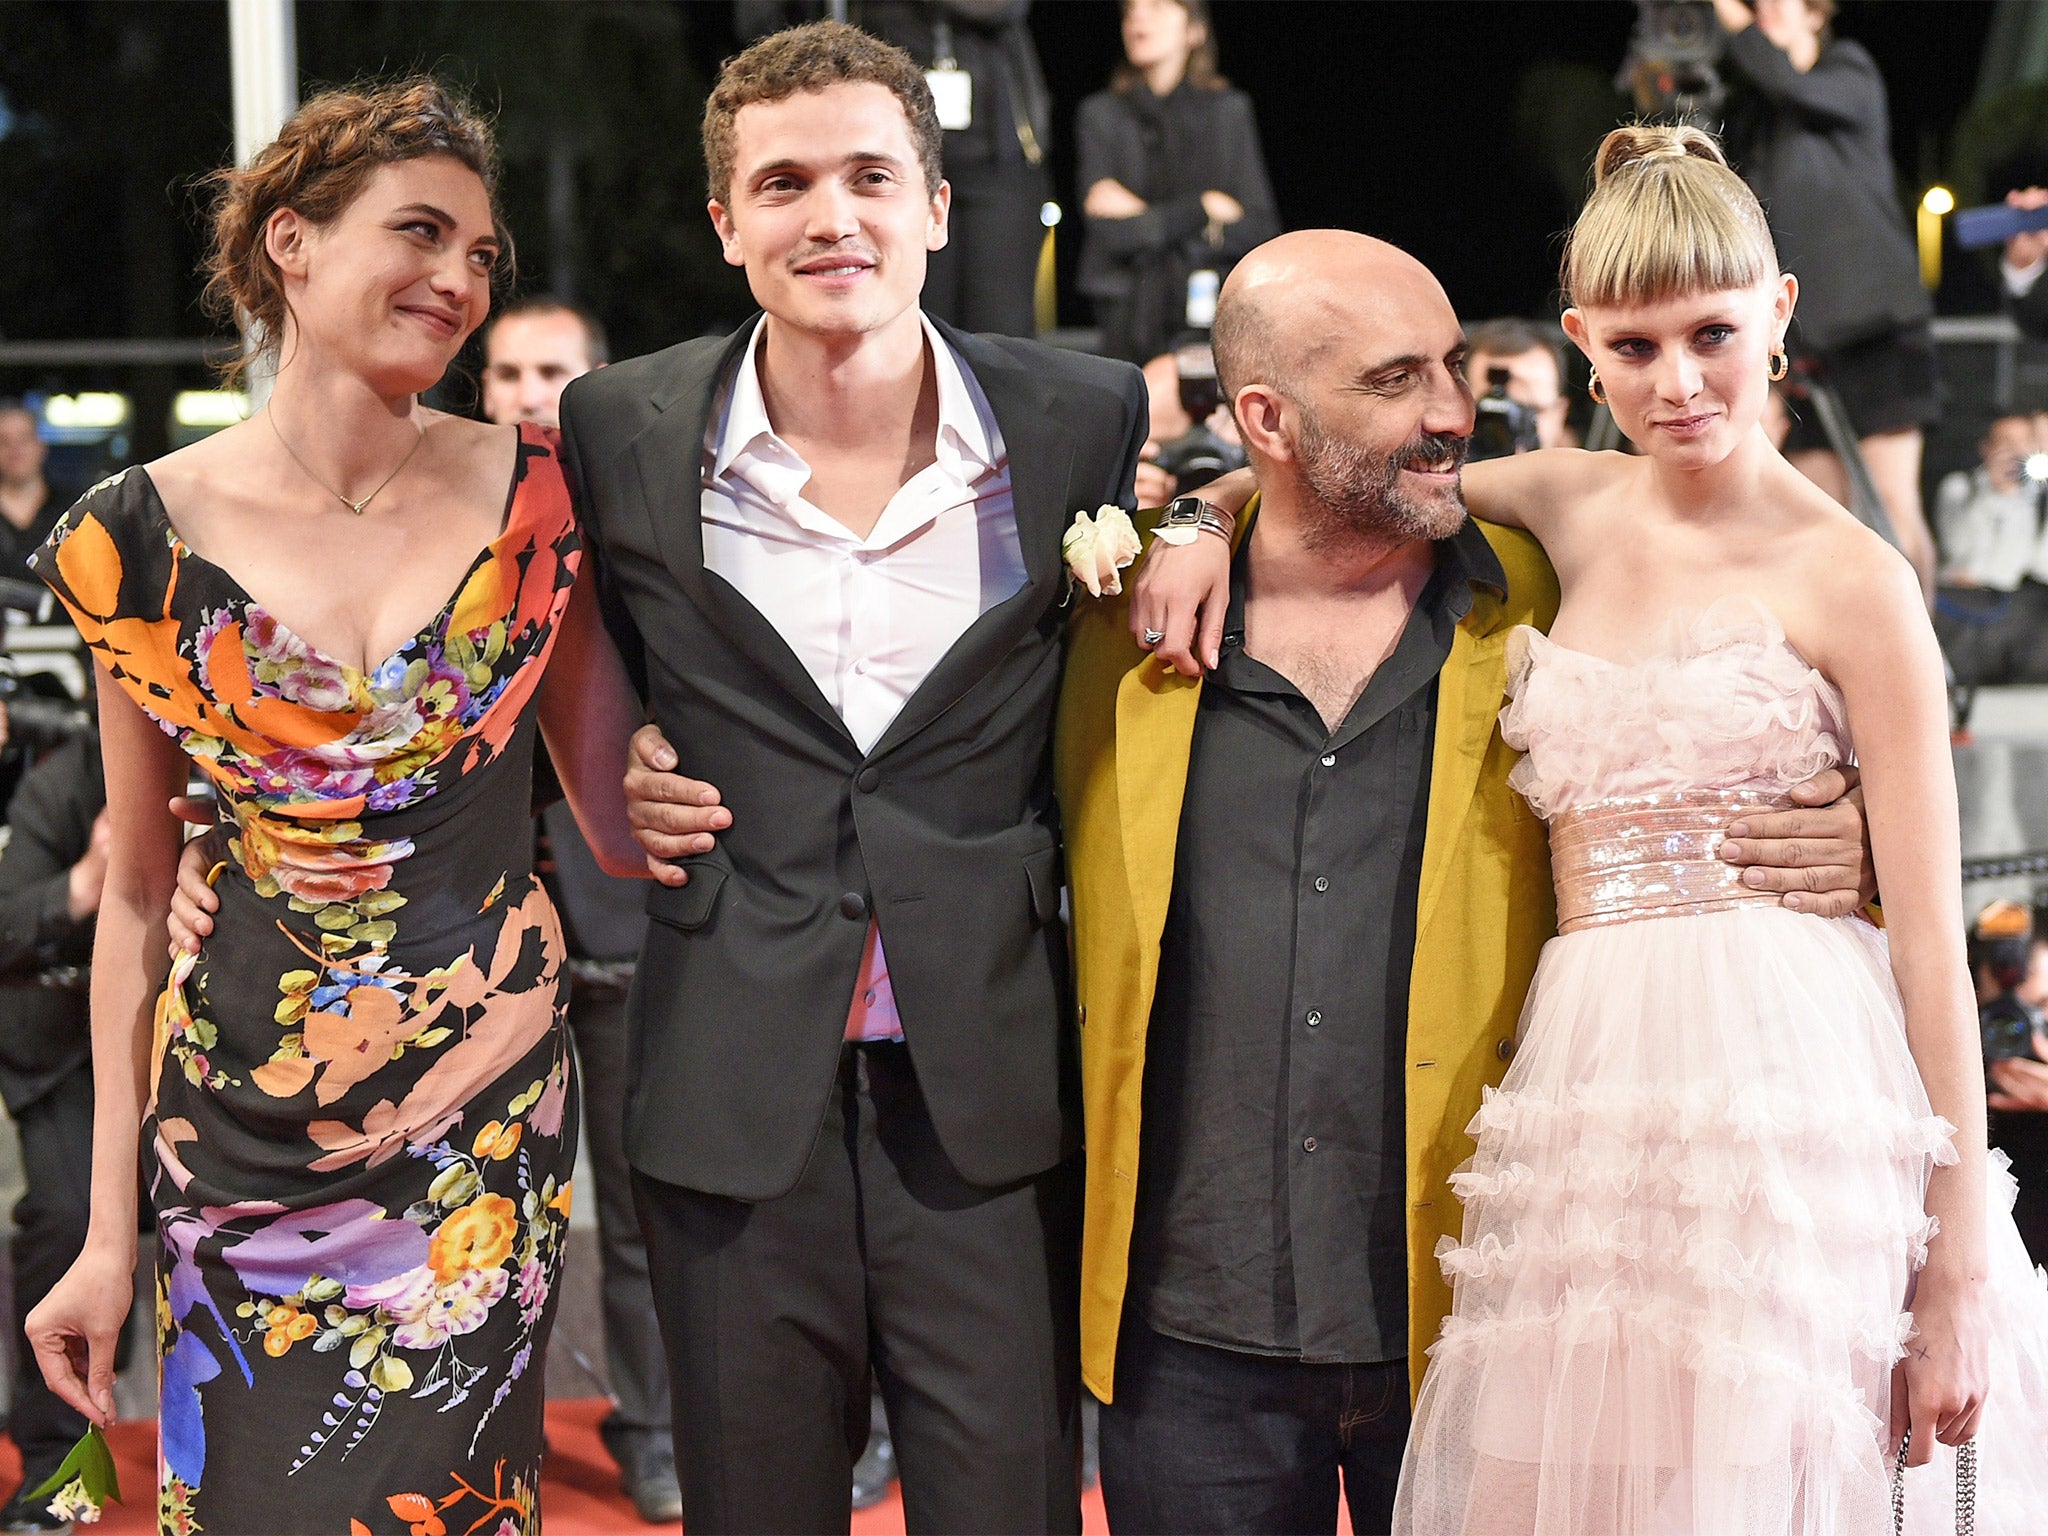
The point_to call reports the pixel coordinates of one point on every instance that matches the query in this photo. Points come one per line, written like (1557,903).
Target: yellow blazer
(1485,909)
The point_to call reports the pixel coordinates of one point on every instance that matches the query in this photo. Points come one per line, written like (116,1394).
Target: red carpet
(579,1487)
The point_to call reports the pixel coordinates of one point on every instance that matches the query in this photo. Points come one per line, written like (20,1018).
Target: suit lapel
(669,455)
(1155,736)
(1040,445)
(1468,708)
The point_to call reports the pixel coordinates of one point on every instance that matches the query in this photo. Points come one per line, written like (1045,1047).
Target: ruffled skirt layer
(1691,1228)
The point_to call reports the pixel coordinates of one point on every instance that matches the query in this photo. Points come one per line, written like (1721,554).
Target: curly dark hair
(810,58)
(316,166)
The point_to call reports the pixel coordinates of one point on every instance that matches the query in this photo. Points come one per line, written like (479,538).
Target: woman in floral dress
(357,1095)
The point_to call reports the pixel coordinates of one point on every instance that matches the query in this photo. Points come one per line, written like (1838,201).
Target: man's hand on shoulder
(673,817)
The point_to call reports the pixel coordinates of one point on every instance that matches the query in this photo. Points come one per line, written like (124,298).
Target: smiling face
(1347,362)
(1687,377)
(392,287)
(828,210)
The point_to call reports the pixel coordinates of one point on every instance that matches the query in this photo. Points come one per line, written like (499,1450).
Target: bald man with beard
(1307,910)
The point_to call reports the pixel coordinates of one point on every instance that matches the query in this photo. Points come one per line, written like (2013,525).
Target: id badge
(953,95)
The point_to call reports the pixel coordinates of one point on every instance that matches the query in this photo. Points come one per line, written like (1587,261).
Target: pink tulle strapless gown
(1695,1213)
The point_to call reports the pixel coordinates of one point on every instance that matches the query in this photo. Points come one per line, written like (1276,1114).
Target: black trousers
(1211,1440)
(632,1340)
(985,279)
(49,1222)
(963,1300)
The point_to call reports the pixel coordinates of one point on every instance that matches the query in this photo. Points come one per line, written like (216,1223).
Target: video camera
(2002,944)
(1671,65)
(43,681)
(1198,455)
(1501,427)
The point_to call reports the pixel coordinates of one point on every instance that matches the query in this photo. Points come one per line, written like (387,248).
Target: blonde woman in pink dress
(1731,1229)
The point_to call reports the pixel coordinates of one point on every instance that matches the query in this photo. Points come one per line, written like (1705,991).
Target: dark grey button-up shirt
(1272,1169)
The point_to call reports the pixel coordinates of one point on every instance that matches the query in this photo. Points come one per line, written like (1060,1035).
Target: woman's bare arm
(75,1327)
(1880,649)
(588,713)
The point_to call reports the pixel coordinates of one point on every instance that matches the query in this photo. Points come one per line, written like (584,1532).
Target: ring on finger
(1154,636)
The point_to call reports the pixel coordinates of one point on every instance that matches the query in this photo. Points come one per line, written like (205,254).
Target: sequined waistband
(1616,861)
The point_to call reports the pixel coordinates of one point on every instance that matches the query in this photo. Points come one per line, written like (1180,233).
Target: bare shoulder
(1529,490)
(1862,597)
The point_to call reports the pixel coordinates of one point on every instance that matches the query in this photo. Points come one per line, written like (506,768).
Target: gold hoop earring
(1593,389)
(1780,366)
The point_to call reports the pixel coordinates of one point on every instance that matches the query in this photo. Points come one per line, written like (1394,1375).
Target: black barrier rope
(1999,869)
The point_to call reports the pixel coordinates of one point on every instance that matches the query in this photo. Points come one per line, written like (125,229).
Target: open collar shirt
(870,617)
(1272,1196)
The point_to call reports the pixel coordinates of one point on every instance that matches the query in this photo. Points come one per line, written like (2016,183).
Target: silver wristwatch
(1192,512)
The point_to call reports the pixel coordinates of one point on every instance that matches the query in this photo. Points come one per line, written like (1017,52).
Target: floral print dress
(360,1122)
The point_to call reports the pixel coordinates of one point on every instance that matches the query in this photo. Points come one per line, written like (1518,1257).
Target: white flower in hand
(73,1503)
(1097,547)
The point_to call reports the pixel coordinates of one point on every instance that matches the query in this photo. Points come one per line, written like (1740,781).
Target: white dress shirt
(868,617)
(1989,538)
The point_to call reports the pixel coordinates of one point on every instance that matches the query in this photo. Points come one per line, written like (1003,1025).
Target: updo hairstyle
(318,163)
(1666,217)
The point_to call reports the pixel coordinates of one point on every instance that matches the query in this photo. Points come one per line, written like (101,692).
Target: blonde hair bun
(1635,143)
(1666,216)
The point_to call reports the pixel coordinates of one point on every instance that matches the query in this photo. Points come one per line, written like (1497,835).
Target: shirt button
(853,904)
(1505,1050)
(1315,1017)
(1329,759)
(1322,883)
(868,780)
(1308,1144)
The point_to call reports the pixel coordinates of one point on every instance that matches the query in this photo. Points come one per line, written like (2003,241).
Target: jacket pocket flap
(687,906)
(1042,870)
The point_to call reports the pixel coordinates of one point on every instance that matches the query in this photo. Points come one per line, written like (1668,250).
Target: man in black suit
(829,545)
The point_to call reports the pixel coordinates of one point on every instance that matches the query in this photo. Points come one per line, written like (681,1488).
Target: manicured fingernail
(1740,829)
(1752,877)
(721,818)
(1794,901)
(1730,849)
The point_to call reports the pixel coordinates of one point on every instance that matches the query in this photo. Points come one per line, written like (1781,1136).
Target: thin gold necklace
(354,506)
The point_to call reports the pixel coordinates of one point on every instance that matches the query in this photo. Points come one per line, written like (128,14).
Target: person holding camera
(2009,962)
(1991,607)
(1533,356)
(1174,181)
(1815,143)
(51,876)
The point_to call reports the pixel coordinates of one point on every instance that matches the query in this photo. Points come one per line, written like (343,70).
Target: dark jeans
(632,1341)
(963,1301)
(1210,1440)
(49,1222)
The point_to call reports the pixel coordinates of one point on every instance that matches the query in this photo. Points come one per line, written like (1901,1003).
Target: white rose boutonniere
(1098,547)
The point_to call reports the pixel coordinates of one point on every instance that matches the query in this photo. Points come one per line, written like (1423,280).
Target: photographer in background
(51,874)
(2009,960)
(2026,258)
(1192,435)
(1533,355)
(1813,137)
(1173,181)
(29,504)
(1991,608)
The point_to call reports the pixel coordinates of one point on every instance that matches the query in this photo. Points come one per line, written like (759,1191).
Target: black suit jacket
(2031,309)
(945,832)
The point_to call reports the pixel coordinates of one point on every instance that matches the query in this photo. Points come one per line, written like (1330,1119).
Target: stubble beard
(1355,495)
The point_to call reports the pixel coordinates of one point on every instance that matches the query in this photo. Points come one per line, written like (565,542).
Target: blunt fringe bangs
(1667,216)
